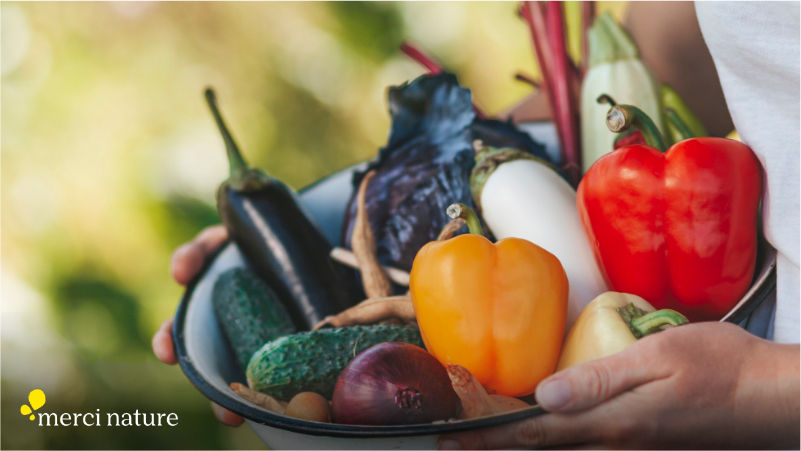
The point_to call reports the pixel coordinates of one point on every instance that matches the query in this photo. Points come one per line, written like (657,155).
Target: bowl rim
(263,416)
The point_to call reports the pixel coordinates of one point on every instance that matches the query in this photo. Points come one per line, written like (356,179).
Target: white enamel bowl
(209,364)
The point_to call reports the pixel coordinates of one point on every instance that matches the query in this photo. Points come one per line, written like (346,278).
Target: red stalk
(548,34)
(420,57)
(432,66)
(532,14)
(565,106)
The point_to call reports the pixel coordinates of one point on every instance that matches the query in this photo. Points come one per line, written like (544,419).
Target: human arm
(695,386)
(186,262)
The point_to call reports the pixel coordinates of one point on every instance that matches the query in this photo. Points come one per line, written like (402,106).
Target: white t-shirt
(755,46)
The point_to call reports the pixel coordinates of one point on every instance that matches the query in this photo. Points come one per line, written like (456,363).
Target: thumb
(589,384)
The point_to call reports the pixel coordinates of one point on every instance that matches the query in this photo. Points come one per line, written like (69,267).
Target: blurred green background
(110,160)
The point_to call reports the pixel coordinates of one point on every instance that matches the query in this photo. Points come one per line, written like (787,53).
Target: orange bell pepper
(496,309)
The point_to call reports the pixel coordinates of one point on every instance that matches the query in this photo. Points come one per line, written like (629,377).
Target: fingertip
(162,343)
(553,394)
(225,416)
(212,237)
(185,263)
(162,350)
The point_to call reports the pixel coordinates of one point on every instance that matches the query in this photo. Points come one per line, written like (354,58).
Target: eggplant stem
(676,121)
(460,210)
(235,160)
(621,118)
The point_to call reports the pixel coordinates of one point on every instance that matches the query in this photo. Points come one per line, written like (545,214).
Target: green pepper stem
(655,321)
(623,117)
(460,210)
(235,160)
(678,123)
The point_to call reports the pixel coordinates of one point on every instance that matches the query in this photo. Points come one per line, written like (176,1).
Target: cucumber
(312,361)
(249,313)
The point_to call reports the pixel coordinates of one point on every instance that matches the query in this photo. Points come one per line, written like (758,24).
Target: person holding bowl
(705,384)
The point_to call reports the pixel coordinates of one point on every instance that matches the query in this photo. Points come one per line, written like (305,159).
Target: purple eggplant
(278,240)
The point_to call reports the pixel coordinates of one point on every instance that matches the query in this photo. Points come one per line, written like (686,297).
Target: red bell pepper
(679,227)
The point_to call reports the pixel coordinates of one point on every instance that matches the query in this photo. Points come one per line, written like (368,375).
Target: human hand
(696,386)
(186,262)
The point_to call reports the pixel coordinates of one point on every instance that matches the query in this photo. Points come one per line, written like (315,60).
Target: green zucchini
(312,361)
(248,311)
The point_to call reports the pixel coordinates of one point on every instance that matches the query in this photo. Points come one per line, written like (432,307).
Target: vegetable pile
(448,324)
(426,165)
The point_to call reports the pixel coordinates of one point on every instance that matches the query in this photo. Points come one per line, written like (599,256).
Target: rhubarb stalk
(420,57)
(565,107)
(548,35)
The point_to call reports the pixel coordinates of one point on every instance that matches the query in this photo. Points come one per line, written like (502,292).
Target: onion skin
(394,383)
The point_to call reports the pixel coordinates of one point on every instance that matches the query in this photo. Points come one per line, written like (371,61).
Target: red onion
(394,383)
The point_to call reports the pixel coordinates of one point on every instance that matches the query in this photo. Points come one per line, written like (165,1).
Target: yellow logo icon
(37,400)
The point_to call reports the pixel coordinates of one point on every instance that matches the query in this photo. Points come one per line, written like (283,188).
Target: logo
(37,399)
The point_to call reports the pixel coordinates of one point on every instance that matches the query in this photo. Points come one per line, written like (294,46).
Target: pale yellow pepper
(610,323)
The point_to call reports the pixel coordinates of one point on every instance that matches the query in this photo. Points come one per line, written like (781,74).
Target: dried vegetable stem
(375,280)
(258,398)
(451,228)
(372,311)
(346,257)
(476,401)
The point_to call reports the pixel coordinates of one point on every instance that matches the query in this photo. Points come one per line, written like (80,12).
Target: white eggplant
(614,68)
(521,196)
